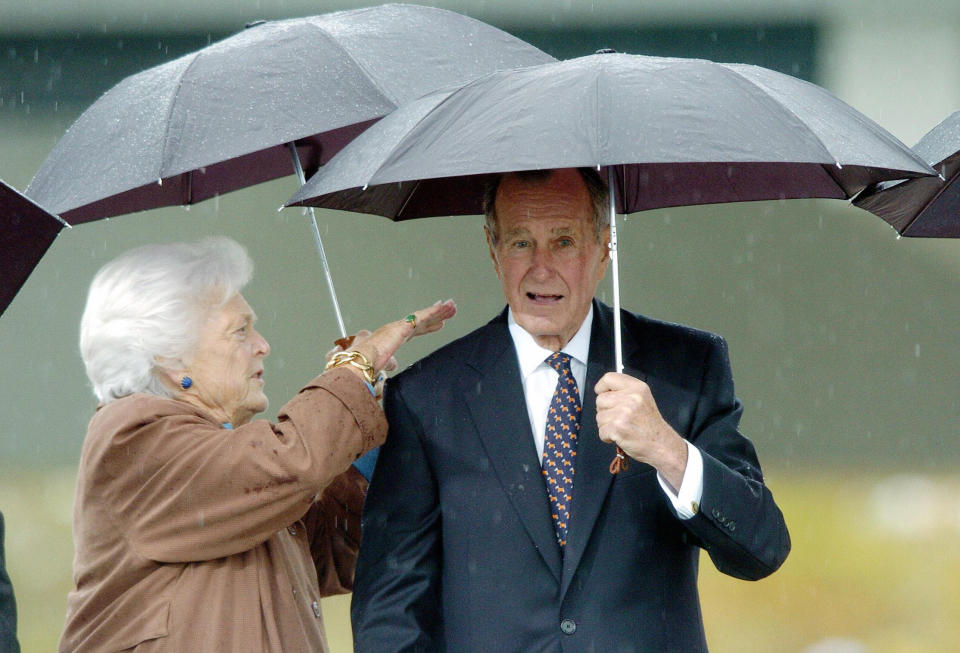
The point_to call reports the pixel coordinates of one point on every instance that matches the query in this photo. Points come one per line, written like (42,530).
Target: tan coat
(192,537)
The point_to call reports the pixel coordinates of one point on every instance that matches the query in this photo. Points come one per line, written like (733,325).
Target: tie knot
(559,361)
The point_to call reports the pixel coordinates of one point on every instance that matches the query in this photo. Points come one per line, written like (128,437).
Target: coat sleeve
(396,598)
(333,526)
(184,490)
(739,524)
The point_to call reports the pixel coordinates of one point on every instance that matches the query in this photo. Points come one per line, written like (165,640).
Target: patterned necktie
(560,444)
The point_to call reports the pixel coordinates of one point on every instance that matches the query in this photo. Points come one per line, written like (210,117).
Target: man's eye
(565,242)
(519,244)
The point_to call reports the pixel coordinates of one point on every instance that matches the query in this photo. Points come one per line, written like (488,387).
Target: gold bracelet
(355,359)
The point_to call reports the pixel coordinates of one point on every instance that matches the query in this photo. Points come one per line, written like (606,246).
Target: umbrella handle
(316,237)
(620,462)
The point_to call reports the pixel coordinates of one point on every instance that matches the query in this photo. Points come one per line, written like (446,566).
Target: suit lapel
(593,478)
(499,412)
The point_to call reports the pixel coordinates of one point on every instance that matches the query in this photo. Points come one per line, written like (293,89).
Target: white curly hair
(148,306)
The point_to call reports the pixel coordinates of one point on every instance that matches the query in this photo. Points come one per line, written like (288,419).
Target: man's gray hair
(596,186)
(149,305)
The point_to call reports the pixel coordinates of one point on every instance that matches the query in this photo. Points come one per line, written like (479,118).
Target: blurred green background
(844,338)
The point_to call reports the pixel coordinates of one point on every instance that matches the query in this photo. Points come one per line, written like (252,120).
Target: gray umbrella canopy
(928,207)
(26,232)
(680,131)
(671,132)
(219,119)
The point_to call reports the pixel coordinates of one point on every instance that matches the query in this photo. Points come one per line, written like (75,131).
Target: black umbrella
(230,115)
(671,132)
(928,207)
(26,232)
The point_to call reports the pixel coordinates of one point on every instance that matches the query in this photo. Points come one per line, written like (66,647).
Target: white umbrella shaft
(617,345)
(316,237)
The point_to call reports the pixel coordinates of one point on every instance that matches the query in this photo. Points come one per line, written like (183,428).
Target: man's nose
(541,263)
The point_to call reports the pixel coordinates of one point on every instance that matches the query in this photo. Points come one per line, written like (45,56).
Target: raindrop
(916,350)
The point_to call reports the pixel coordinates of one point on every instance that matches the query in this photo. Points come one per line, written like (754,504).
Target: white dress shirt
(540,381)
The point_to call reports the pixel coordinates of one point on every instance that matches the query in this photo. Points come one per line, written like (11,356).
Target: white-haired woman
(197,528)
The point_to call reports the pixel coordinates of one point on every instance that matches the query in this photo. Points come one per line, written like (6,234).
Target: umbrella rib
(787,109)
(409,196)
(173,102)
(366,73)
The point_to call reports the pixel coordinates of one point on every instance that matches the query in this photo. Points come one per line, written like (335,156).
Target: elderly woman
(197,528)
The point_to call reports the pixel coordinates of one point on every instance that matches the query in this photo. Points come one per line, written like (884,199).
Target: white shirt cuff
(687,500)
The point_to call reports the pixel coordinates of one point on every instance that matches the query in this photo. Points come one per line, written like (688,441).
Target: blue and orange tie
(560,444)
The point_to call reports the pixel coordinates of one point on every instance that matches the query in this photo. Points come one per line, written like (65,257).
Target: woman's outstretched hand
(380,346)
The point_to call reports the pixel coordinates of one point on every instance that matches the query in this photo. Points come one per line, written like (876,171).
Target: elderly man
(493,522)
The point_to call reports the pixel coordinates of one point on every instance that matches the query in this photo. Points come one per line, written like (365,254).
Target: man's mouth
(541,298)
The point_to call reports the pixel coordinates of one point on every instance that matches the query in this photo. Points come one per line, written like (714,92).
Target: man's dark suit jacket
(8,607)
(459,552)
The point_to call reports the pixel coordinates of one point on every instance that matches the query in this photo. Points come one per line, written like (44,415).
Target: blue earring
(186,382)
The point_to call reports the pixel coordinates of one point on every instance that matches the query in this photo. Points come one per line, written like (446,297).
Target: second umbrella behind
(227,116)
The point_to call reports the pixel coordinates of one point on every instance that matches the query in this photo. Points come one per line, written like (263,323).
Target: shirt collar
(531,355)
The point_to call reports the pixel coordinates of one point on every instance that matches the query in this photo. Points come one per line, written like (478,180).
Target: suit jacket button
(731,524)
(568,626)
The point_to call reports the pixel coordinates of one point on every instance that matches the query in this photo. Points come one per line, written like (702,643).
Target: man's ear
(492,249)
